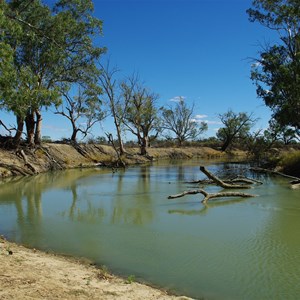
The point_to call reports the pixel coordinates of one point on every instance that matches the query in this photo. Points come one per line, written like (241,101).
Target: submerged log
(261,170)
(220,182)
(244,180)
(208,196)
(238,179)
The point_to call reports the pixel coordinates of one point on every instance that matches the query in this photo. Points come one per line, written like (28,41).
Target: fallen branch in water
(221,183)
(208,196)
(261,170)
(238,179)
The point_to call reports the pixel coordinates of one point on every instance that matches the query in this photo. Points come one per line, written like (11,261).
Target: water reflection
(137,209)
(226,249)
(206,207)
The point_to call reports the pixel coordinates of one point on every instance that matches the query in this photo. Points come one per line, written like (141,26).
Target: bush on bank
(289,163)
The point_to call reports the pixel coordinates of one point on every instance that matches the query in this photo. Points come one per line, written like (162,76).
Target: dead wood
(243,180)
(53,163)
(238,179)
(208,196)
(119,162)
(220,182)
(80,150)
(22,154)
(200,181)
(15,169)
(261,170)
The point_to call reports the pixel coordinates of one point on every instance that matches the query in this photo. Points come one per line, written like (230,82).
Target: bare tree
(117,105)
(141,117)
(83,111)
(178,120)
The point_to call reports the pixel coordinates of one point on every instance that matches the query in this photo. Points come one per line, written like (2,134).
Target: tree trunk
(121,145)
(221,183)
(144,145)
(30,126)
(74,132)
(226,144)
(20,126)
(38,127)
(179,142)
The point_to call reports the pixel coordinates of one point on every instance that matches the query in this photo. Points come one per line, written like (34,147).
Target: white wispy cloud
(201,116)
(213,122)
(177,98)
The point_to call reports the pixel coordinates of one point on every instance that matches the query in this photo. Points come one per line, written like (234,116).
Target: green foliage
(141,117)
(83,111)
(178,120)
(276,72)
(130,279)
(290,163)
(236,127)
(46,139)
(44,52)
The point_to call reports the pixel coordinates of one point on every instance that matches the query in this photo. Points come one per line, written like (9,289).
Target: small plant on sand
(130,279)
(104,273)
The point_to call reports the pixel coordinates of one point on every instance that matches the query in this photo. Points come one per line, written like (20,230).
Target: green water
(229,249)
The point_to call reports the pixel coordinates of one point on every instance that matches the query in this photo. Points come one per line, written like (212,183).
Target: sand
(32,274)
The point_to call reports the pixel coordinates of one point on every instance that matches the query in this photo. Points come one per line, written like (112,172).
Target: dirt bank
(32,274)
(64,156)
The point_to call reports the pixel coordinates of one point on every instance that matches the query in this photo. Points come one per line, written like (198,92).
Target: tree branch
(222,183)
(208,196)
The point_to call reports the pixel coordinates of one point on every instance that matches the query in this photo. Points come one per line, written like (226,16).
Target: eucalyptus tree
(276,72)
(236,126)
(114,96)
(83,110)
(54,52)
(141,117)
(178,119)
(7,69)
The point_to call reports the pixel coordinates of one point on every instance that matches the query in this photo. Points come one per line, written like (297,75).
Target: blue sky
(198,49)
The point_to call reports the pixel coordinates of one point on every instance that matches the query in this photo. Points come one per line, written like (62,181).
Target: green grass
(130,279)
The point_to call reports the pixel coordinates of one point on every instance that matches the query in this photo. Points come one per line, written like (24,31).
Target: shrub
(290,163)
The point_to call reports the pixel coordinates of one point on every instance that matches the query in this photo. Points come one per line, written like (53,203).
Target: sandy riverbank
(54,156)
(32,274)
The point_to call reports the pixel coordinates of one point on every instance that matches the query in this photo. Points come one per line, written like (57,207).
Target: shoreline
(54,156)
(27,273)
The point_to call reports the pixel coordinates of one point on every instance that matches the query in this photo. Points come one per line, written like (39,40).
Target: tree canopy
(52,50)
(276,72)
(178,119)
(236,126)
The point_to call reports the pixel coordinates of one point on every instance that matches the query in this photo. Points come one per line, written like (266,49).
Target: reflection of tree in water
(133,208)
(205,207)
(120,207)
(25,195)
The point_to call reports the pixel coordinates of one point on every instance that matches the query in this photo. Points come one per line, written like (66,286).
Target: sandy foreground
(32,274)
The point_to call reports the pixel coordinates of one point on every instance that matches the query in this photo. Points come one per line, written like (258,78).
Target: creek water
(229,249)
